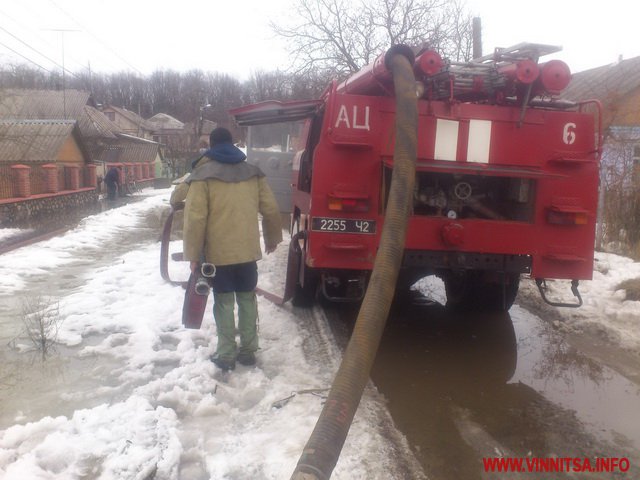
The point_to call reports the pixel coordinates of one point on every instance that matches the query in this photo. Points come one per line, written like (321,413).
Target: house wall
(621,111)
(70,152)
(123,122)
(158,166)
(630,110)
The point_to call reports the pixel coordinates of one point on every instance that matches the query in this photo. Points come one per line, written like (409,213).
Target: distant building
(129,122)
(175,143)
(54,147)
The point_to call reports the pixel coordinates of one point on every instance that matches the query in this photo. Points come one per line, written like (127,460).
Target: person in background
(225,196)
(112,181)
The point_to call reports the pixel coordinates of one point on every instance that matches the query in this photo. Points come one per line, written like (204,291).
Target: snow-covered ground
(153,404)
(161,406)
(7,233)
(605,312)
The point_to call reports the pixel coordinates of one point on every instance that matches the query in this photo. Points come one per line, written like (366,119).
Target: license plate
(343,225)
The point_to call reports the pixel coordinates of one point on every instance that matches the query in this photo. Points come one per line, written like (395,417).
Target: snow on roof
(164,121)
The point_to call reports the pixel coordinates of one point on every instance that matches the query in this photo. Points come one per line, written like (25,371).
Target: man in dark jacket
(112,181)
(224,198)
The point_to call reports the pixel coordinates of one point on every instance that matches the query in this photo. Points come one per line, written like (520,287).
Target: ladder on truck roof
(508,74)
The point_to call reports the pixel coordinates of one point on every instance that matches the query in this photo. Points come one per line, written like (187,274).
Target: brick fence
(15,210)
(29,191)
(23,181)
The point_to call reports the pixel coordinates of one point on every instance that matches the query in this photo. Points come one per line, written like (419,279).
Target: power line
(38,52)
(27,59)
(95,37)
(35,35)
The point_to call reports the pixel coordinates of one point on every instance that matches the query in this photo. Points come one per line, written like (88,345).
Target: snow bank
(164,410)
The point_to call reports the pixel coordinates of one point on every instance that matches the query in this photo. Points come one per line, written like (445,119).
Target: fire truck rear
(506,179)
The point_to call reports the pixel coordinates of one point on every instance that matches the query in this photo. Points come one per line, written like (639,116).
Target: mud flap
(293,267)
(293,274)
(194,304)
(291,280)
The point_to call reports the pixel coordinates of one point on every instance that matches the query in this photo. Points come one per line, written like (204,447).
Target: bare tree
(619,179)
(41,319)
(340,37)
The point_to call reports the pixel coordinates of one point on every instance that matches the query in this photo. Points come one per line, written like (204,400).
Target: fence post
(91,180)
(22,181)
(50,178)
(74,177)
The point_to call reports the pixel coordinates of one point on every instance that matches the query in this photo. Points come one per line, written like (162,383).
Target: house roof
(128,149)
(604,83)
(43,104)
(94,124)
(18,104)
(34,140)
(134,118)
(162,121)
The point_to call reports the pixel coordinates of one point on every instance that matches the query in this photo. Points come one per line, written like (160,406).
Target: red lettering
(556,464)
(624,464)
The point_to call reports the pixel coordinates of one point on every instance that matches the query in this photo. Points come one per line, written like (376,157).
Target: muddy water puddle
(467,387)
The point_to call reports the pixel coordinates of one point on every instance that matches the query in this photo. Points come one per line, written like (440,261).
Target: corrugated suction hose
(323,448)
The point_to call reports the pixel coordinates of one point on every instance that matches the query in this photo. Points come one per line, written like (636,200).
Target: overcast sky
(234,36)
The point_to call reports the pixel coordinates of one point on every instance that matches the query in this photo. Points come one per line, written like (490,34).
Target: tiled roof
(94,124)
(128,149)
(33,140)
(43,104)
(18,104)
(606,82)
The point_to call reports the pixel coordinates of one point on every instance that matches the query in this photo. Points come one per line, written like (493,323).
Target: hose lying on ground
(322,450)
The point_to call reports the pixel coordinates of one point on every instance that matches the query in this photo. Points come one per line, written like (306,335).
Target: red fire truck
(506,178)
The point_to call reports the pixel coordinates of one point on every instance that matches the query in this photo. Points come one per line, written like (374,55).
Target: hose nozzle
(208,270)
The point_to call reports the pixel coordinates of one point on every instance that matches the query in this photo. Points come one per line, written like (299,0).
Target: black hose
(323,448)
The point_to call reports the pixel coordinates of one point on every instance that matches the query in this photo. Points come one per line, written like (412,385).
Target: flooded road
(23,374)
(467,387)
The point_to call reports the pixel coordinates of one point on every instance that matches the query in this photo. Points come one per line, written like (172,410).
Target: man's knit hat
(220,135)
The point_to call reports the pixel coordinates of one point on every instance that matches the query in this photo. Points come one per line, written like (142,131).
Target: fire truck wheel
(480,290)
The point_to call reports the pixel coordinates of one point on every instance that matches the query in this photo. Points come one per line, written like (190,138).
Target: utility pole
(64,76)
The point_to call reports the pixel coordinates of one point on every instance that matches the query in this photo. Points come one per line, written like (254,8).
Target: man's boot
(247,325)
(223,307)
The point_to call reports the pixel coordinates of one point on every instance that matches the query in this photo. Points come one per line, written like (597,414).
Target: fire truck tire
(479,290)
